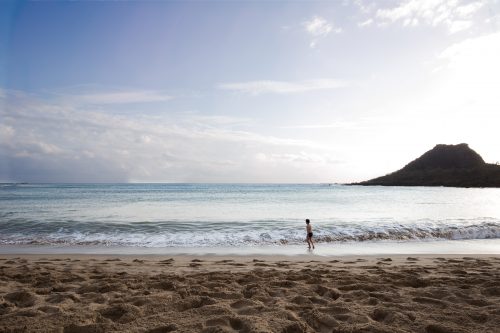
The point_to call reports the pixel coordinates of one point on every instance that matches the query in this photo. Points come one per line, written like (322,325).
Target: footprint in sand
(95,298)
(92,328)
(434,328)
(380,314)
(224,261)
(455,261)
(21,299)
(194,302)
(166,262)
(243,303)
(282,264)
(321,322)
(326,292)
(226,324)
(50,309)
(283,283)
(163,329)
(491,291)
(57,298)
(430,301)
(261,264)
(122,313)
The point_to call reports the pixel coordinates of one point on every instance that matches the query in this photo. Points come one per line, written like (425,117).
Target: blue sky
(323,91)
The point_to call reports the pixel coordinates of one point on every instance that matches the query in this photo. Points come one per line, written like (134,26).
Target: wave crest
(203,234)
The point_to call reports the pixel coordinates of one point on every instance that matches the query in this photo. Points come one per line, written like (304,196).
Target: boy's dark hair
(307,221)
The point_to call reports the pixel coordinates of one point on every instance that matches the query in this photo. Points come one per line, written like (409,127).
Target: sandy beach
(102,293)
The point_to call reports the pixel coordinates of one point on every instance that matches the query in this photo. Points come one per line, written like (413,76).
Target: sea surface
(258,216)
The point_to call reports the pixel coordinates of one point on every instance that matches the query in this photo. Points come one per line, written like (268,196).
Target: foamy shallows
(369,248)
(226,217)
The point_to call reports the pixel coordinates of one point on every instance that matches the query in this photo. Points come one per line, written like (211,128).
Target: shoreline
(74,293)
(342,249)
(181,259)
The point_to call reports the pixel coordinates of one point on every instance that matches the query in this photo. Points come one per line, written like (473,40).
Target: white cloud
(217,120)
(363,6)
(46,141)
(120,97)
(336,125)
(455,15)
(469,9)
(365,23)
(283,87)
(35,149)
(318,27)
(460,25)
(300,157)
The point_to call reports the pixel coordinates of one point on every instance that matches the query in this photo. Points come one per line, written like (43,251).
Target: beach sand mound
(440,295)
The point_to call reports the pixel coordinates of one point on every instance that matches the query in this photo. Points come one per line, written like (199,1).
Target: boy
(309,234)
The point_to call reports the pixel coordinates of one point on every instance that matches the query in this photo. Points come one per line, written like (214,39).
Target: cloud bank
(282,87)
(122,97)
(46,141)
(454,15)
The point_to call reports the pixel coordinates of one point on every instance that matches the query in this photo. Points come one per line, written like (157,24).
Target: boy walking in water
(309,234)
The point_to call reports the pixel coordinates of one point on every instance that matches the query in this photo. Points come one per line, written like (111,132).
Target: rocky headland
(444,165)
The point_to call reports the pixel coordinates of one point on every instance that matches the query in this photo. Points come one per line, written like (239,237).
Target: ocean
(214,218)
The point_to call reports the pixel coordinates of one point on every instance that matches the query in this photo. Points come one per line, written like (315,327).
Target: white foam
(255,233)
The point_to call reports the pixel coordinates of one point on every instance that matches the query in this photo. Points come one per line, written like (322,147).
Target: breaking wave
(231,233)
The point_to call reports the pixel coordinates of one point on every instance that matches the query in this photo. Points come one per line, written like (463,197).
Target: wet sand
(104,293)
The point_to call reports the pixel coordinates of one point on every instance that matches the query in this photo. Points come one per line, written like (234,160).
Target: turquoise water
(240,215)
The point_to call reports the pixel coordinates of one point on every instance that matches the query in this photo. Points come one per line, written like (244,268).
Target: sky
(243,91)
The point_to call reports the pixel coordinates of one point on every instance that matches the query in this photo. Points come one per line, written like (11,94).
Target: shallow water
(240,215)
(370,248)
